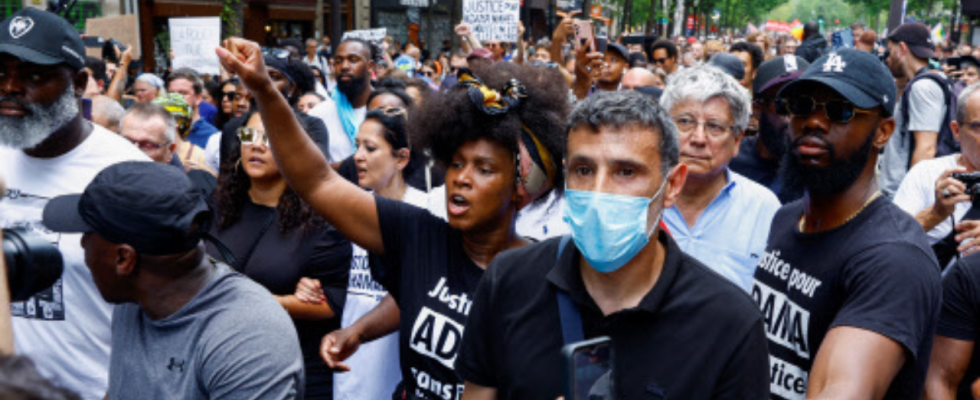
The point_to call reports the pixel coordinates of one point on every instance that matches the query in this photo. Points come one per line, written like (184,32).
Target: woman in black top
(431,267)
(277,239)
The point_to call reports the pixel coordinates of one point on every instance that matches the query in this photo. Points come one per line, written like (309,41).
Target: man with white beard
(47,149)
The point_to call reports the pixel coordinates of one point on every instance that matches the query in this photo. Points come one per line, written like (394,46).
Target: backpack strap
(925,73)
(568,312)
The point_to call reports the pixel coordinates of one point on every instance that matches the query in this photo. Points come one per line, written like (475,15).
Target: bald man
(638,77)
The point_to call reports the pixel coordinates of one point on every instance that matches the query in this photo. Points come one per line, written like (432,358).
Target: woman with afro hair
(499,133)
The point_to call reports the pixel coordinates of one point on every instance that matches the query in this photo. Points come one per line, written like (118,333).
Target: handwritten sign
(192,42)
(493,20)
(371,35)
(124,28)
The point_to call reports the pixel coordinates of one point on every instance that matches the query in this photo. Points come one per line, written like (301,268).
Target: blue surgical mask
(609,229)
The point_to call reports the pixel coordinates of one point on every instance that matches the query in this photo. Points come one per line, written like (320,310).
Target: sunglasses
(393,111)
(248,136)
(840,111)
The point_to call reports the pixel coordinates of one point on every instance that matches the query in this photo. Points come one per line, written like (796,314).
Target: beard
(354,87)
(824,181)
(38,123)
(774,138)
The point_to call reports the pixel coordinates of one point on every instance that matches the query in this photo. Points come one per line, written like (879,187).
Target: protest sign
(124,28)
(493,20)
(371,35)
(192,43)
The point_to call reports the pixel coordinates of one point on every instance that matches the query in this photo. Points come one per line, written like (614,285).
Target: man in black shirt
(758,156)
(848,287)
(678,329)
(955,363)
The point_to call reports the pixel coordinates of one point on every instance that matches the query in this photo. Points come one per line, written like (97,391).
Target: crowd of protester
(744,217)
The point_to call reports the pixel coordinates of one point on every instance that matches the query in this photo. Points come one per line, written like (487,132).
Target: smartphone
(93,41)
(601,44)
(954,62)
(583,32)
(589,370)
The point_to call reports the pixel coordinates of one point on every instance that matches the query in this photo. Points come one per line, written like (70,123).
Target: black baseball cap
(41,37)
(729,64)
(618,49)
(917,36)
(778,70)
(857,75)
(147,205)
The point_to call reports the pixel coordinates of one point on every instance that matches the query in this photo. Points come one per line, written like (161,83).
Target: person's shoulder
(758,194)
(924,84)
(531,261)
(111,147)
(323,110)
(244,303)
(700,287)
(932,168)
(205,126)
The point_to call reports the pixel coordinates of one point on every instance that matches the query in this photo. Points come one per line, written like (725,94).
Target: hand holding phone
(583,32)
(589,370)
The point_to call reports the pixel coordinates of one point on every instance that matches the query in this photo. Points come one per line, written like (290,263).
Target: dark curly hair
(231,194)
(446,122)
(393,87)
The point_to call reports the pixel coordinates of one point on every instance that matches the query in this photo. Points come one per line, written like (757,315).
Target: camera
(971,180)
(109,50)
(33,263)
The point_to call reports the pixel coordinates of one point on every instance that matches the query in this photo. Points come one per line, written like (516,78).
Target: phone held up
(589,370)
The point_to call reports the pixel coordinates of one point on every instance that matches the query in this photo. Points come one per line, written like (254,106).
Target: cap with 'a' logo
(857,75)
(40,37)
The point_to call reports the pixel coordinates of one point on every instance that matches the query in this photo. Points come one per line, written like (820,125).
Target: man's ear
(126,260)
(81,82)
(885,129)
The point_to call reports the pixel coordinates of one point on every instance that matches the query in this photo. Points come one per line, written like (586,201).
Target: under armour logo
(834,63)
(176,364)
(20,26)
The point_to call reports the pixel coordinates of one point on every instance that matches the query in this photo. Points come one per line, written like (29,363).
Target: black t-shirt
(695,335)
(750,164)
(281,259)
(876,272)
(960,318)
(428,273)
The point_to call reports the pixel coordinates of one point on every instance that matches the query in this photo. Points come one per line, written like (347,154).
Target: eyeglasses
(715,130)
(146,145)
(248,136)
(841,111)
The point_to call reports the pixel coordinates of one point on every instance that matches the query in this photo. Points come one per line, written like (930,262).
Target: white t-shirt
(374,368)
(341,146)
(64,329)
(918,192)
(212,152)
(536,221)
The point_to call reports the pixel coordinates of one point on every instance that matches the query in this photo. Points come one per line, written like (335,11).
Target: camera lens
(33,263)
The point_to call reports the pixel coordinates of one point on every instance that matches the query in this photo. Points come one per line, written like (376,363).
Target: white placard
(192,42)
(493,20)
(414,3)
(371,35)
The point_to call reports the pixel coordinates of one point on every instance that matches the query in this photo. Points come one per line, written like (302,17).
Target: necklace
(856,213)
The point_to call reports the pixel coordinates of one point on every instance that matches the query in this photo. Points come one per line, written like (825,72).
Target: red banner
(777,26)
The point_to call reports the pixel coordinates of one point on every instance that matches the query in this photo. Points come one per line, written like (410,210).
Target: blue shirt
(207,111)
(200,132)
(731,233)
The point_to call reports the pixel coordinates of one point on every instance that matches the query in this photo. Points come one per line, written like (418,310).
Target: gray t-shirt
(231,341)
(927,107)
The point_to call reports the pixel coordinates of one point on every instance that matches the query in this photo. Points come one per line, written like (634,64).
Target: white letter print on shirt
(786,323)
(436,336)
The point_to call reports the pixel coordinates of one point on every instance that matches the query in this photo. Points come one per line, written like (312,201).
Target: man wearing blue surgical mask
(678,330)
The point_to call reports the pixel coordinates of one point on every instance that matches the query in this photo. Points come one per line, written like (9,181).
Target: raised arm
(347,207)
(118,84)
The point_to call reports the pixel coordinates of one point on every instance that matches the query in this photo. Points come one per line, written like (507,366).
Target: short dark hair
(666,45)
(393,87)
(97,66)
(373,49)
(189,75)
(629,108)
(755,52)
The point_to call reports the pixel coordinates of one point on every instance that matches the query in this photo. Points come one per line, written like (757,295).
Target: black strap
(240,266)
(571,318)
(226,253)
